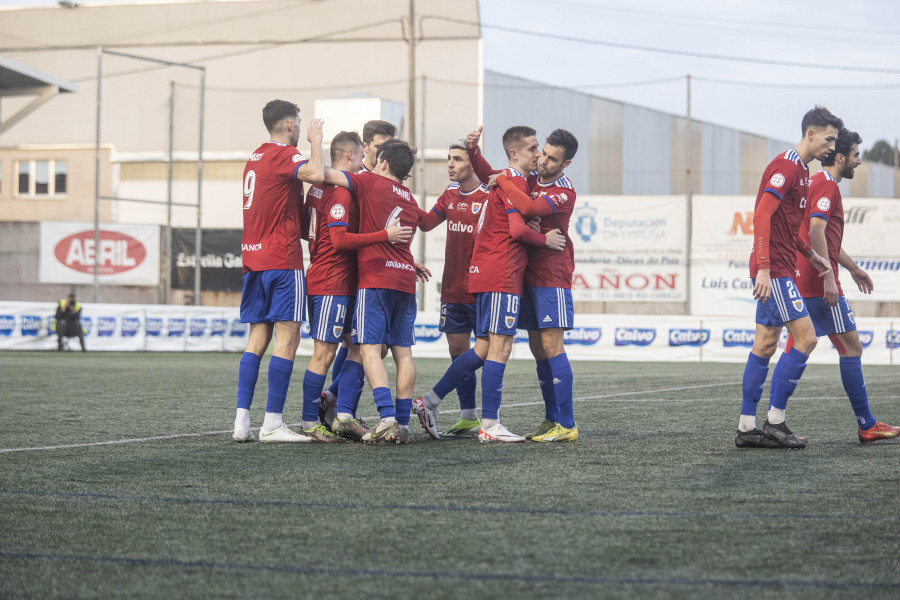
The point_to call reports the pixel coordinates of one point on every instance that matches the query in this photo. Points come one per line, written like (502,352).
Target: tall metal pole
(167,286)
(689,193)
(411,117)
(97,176)
(198,238)
(423,191)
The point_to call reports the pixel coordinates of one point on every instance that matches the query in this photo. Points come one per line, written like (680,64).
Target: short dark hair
(516,134)
(564,139)
(458,145)
(844,143)
(278,110)
(373,128)
(399,157)
(345,140)
(819,116)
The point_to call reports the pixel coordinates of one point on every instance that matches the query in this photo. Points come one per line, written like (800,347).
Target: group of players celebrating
(508,265)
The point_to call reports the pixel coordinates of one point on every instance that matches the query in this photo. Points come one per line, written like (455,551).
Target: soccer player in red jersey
(333,219)
(495,277)
(547,307)
(386,300)
(461,205)
(780,205)
(829,310)
(375,133)
(274,295)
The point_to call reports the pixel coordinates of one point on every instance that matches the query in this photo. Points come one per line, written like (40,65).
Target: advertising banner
(220,259)
(631,250)
(127,254)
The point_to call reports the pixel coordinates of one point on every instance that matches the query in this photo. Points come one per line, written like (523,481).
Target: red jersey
(498,260)
(462,211)
(546,268)
(273,198)
(824,202)
(382,200)
(331,272)
(787,178)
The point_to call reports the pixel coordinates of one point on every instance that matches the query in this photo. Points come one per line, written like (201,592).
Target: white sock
(431,399)
(469,414)
(242,419)
(485,423)
(406,427)
(271,422)
(309,424)
(345,417)
(747,423)
(776,416)
(388,421)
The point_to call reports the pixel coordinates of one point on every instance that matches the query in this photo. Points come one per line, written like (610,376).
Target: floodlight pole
(198,238)
(689,194)
(97,177)
(167,287)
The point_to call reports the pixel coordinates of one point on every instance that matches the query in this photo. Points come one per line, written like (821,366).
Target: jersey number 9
(249,185)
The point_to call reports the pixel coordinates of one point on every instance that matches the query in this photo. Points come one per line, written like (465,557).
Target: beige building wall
(754,158)
(678,148)
(607,121)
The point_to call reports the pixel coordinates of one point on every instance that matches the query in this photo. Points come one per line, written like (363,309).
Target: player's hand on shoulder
(492,180)
(555,240)
(474,137)
(397,232)
(314,131)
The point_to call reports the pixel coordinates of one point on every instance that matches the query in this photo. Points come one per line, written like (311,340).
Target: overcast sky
(757,97)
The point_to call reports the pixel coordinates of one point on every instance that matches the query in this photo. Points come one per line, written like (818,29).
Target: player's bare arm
(314,170)
(337,177)
(820,245)
(860,277)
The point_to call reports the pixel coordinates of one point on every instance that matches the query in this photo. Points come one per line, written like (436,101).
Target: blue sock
(463,367)
(349,383)
(312,392)
(562,373)
(358,396)
(786,376)
(404,406)
(755,374)
(248,373)
(491,389)
(545,380)
(466,392)
(855,386)
(339,359)
(384,403)
(280,370)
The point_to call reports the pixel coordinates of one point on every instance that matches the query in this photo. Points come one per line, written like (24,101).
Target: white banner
(630,251)
(128,254)
(28,326)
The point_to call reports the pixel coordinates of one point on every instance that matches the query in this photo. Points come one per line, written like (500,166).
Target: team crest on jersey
(777,180)
(297,157)
(510,321)
(476,206)
(585,223)
(798,305)
(823,204)
(336,330)
(337,211)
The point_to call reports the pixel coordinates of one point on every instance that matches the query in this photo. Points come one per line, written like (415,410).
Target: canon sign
(117,253)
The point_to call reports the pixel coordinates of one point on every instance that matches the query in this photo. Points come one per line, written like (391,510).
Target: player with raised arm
(375,133)
(386,300)
(547,310)
(273,299)
(461,205)
(333,218)
(780,205)
(829,310)
(495,277)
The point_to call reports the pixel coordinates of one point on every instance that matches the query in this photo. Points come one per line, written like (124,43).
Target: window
(43,177)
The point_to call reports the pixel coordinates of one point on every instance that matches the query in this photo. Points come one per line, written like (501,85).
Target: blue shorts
(546,307)
(273,296)
(784,304)
(830,319)
(330,317)
(496,312)
(457,317)
(384,316)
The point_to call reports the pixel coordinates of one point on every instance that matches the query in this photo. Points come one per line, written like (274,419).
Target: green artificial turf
(653,501)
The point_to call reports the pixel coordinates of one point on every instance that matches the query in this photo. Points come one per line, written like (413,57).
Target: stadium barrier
(151,327)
